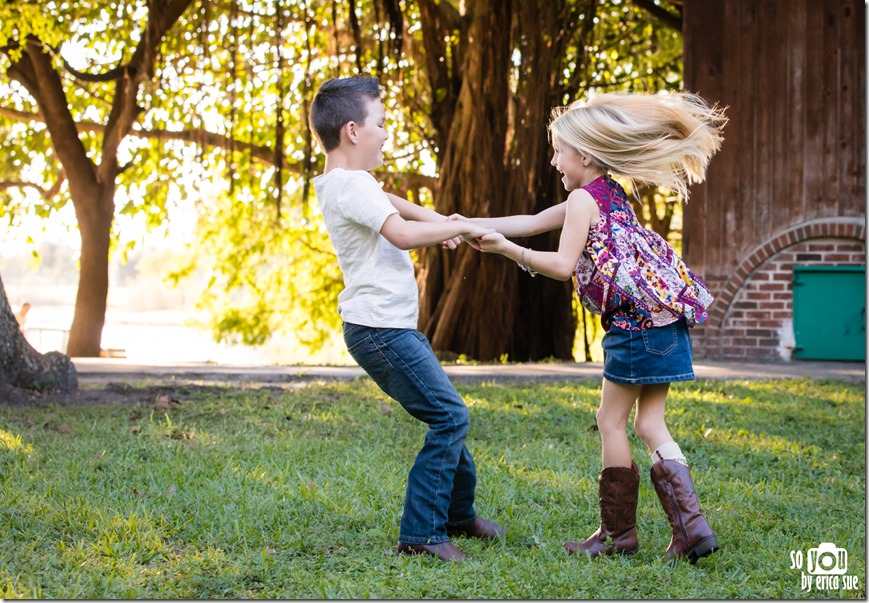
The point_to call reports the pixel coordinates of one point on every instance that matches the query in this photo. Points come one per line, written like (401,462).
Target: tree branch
(439,21)
(22,116)
(34,70)
(21,184)
(108,76)
(669,19)
(357,32)
(162,15)
(45,193)
(395,18)
(261,153)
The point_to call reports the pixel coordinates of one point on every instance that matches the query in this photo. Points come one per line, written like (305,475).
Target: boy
(371,232)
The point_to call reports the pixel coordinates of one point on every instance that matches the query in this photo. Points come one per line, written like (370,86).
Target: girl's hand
(493,243)
(475,234)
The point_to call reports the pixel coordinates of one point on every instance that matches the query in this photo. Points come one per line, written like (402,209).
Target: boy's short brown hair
(338,101)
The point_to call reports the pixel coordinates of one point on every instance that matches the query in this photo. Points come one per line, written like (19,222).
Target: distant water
(165,337)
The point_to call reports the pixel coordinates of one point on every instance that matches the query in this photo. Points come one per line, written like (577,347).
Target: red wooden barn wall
(788,186)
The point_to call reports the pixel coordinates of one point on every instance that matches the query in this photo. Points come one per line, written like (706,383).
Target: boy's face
(371,135)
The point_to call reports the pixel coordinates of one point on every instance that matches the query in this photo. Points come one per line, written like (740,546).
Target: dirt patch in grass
(146,392)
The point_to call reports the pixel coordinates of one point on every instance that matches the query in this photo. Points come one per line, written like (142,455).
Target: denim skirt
(656,355)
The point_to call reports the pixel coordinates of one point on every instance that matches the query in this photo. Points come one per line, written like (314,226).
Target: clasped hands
(483,239)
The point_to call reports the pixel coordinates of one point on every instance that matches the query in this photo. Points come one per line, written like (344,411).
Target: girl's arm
(581,212)
(547,220)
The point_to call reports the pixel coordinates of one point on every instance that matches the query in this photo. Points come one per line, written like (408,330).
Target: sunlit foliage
(223,130)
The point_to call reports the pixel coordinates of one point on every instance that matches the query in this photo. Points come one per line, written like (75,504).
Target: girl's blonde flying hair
(662,139)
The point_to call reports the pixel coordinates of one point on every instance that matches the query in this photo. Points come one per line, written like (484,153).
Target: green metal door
(830,312)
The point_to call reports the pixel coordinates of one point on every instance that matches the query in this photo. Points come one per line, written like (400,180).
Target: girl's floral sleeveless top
(630,275)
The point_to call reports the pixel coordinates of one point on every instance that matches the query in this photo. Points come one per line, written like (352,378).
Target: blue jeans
(441,483)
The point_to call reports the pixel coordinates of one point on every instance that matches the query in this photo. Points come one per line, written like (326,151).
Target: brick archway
(844,228)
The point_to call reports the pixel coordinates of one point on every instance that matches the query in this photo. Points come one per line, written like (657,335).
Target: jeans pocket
(371,359)
(660,340)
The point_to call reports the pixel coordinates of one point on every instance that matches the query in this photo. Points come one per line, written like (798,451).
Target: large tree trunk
(467,299)
(91,187)
(545,325)
(95,225)
(495,162)
(23,367)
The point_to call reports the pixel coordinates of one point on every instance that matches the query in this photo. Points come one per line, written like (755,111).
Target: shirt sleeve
(364,202)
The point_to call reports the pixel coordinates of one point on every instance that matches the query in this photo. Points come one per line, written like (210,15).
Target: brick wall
(752,317)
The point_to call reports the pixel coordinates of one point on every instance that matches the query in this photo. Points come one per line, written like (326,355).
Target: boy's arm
(414,212)
(406,234)
(549,219)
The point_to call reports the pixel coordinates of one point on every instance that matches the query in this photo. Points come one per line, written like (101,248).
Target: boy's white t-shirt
(379,284)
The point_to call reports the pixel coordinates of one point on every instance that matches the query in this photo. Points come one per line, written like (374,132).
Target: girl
(646,296)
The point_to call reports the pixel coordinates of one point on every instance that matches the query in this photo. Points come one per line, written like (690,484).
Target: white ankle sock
(669,451)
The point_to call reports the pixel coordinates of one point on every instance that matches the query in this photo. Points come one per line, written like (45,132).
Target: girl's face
(576,169)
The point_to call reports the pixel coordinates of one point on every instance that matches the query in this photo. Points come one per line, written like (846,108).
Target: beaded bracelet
(524,266)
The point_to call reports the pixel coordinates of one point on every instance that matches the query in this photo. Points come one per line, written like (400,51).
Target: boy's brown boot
(445,551)
(692,536)
(479,528)
(618,489)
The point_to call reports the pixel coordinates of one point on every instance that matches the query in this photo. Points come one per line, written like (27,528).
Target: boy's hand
(470,239)
(451,244)
(475,234)
(456,241)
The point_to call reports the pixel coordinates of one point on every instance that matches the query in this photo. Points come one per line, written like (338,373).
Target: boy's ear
(349,130)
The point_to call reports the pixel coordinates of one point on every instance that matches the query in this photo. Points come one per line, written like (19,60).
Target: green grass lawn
(296,492)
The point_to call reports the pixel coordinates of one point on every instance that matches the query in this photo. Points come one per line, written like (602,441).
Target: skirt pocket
(660,340)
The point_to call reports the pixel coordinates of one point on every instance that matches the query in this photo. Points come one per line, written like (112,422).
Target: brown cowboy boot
(444,551)
(618,488)
(478,528)
(692,535)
